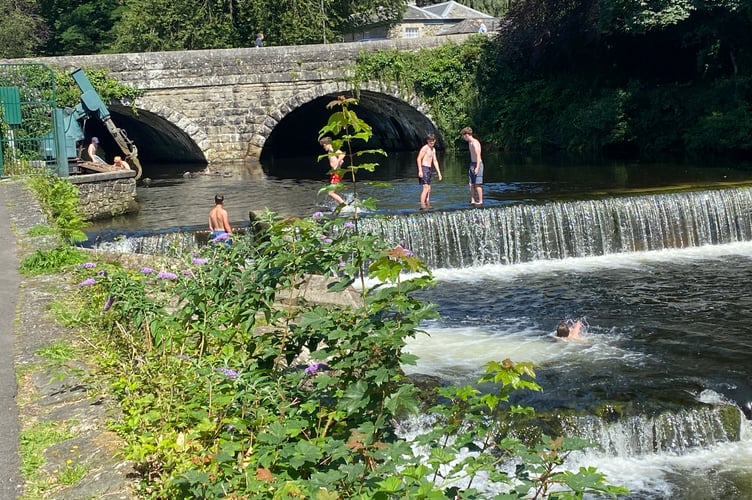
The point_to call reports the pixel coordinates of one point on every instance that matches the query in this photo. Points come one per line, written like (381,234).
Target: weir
(670,432)
(526,233)
(559,230)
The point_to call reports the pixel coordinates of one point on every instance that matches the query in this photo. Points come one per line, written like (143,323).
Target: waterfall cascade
(559,230)
(525,233)
(669,432)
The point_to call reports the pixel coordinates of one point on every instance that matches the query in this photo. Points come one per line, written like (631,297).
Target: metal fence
(28,120)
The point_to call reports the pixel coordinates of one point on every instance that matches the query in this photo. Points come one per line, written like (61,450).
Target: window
(412,32)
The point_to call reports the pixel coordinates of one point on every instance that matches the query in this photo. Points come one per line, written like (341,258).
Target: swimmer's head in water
(562,330)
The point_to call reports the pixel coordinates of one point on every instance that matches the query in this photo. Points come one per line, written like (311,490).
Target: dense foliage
(445,78)
(595,76)
(22,30)
(233,385)
(55,27)
(61,204)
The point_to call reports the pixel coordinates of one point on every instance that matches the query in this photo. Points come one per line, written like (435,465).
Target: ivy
(445,79)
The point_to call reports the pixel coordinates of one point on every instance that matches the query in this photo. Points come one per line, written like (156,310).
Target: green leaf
(354,397)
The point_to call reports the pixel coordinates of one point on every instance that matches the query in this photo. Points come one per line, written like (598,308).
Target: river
(657,258)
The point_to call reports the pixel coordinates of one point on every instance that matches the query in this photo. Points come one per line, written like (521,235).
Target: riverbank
(67,451)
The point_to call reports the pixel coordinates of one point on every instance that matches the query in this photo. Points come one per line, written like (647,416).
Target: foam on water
(458,353)
(659,475)
(634,260)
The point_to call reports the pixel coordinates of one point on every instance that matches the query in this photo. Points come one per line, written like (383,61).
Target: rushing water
(661,277)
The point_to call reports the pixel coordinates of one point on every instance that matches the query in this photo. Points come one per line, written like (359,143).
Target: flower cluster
(220,237)
(227,372)
(313,368)
(87,282)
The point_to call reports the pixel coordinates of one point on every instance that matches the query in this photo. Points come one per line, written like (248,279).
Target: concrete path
(11,481)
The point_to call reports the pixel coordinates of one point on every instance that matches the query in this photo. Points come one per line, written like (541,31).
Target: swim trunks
(475,178)
(426,178)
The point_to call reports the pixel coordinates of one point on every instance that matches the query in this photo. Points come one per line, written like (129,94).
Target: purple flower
(199,261)
(87,282)
(317,215)
(341,263)
(221,237)
(313,368)
(348,224)
(108,303)
(147,270)
(229,427)
(326,240)
(87,265)
(102,273)
(231,374)
(164,275)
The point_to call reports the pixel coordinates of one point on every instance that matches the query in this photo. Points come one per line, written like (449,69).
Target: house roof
(415,13)
(454,10)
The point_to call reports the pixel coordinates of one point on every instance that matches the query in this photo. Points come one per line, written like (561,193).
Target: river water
(656,258)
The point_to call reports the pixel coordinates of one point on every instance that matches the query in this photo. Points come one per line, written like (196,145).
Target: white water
(702,464)
(693,474)
(633,260)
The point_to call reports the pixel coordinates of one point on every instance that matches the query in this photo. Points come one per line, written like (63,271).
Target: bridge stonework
(223,104)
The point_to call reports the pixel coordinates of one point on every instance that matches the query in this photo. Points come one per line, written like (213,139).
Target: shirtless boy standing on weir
(219,224)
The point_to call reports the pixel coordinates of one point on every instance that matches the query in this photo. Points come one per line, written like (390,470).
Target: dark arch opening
(397,126)
(160,143)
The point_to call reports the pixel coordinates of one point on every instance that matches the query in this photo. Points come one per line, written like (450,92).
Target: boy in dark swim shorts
(427,162)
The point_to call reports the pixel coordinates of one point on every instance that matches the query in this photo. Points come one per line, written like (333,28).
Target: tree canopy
(22,31)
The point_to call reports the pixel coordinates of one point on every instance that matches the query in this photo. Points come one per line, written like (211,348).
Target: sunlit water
(667,329)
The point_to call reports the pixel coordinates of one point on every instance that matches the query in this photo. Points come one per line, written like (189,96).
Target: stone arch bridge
(209,106)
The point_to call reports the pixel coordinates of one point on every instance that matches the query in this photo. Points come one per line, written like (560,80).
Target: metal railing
(29,120)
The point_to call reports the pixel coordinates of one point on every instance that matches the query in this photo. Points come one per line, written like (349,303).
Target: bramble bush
(232,385)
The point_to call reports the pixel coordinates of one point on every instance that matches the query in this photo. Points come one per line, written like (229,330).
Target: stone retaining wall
(106,194)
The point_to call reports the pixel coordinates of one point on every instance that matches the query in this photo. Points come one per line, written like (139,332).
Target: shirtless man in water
(218,222)
(567,331)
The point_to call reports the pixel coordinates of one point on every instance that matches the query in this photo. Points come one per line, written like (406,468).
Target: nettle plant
(232,385)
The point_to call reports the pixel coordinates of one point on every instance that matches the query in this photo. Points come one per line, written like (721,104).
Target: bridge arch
(163,135)
(400,121)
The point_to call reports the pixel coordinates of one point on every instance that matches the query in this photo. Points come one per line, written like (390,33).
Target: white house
(446,18)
